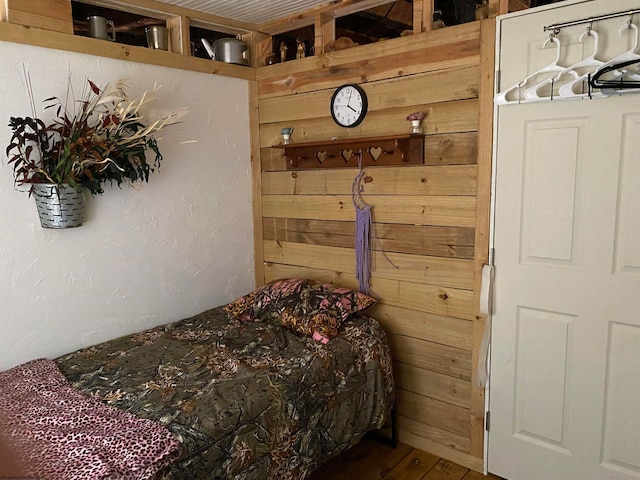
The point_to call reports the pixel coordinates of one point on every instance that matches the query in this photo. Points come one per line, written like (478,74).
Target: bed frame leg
(388,436)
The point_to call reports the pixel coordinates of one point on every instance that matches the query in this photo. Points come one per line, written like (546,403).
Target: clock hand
(351,108)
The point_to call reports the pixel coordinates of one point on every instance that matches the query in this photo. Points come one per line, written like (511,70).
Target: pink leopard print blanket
(59,433)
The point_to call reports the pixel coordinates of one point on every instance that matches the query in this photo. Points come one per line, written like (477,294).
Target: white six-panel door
(565,364)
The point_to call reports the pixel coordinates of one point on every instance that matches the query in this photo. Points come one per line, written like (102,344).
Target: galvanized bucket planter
(59,206)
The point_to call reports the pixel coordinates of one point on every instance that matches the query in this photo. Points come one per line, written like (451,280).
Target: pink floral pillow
(310,308)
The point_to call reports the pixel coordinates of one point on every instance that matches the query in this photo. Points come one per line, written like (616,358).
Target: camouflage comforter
(245,400)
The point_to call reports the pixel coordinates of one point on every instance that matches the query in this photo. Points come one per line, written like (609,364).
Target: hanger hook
(590,27)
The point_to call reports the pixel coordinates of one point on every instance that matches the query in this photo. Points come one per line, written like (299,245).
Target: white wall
(165,250)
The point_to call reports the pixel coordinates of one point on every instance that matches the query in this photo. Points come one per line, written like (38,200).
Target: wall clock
(349,105)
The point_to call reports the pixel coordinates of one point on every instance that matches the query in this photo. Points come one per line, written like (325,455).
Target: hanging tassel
(363,248)
(363,232)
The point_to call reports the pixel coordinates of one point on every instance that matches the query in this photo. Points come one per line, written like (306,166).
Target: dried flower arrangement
(101,138)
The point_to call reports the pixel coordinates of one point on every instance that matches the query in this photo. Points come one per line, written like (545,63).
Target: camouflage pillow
(312,309)
(262,302)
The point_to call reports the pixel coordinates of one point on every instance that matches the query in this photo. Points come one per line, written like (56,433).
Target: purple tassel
(363,247)
(363,232)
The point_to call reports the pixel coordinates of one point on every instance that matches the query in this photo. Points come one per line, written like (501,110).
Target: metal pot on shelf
(228,50)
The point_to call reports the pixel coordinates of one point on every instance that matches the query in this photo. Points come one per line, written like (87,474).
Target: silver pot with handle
(229,50)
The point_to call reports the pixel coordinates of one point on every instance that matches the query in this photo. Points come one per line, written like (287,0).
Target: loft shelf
(379,151)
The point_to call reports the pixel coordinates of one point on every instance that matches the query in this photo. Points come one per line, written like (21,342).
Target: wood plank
(450,242)
(94,46)
(432,384)
(447,272)
(445,451)
(433,412)
(425,298)
(455,211)
(405,180)
(445,470)
(52,15)
(433,328)
(334,61)
(179,35)
(380,460)
(413,466)
(451,149)
(485,149)
(463,54)
(256,186)
(444,117)
(434,434)
(431,356)
(479,476)
(432,87)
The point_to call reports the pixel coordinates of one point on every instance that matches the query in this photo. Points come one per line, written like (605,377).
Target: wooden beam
(163,10)
(179,37)
(256,185)
(483,195)
(422,15)
(92,46)
(46,14)
(325,32)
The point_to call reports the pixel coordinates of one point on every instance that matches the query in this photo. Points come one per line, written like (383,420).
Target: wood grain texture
(434,385)
(46,14)
(448,272)
(429,58)
(433,412)
(449,242)
(414,465)
(482,231)
(414,436)
(435,434)
(404,180)
(93,46)
(441,118)
(436,210)
(392,48)
(431,356)
(432,87)
(449,331)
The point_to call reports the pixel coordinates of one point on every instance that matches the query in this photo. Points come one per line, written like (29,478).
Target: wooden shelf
(381,151)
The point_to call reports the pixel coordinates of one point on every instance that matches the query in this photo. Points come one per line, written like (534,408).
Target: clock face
(349,105)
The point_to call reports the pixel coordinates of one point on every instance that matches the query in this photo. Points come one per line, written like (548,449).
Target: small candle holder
(286,135)
(416,119)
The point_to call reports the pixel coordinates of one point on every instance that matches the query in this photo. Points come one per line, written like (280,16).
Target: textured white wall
(165,250)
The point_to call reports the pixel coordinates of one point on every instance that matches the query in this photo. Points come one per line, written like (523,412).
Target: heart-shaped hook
(375,152)
(346,154)
(321,156)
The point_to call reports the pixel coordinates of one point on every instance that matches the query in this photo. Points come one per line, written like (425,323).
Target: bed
(267,387)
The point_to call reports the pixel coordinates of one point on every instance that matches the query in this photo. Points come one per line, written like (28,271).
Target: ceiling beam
(334,8)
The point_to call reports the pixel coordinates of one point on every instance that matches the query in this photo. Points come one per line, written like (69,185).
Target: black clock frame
(365,104)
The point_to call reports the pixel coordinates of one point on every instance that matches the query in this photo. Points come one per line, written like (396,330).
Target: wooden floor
(371,460)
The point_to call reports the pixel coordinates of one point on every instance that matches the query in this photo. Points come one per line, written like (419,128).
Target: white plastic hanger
(626,56)
(533,93)
(568,89)
(553,67)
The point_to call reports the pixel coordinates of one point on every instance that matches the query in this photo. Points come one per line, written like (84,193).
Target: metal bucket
(59,206)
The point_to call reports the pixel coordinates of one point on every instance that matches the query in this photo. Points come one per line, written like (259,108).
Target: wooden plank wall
(430,219)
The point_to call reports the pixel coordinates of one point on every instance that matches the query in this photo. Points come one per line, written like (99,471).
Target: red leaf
(94,87)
